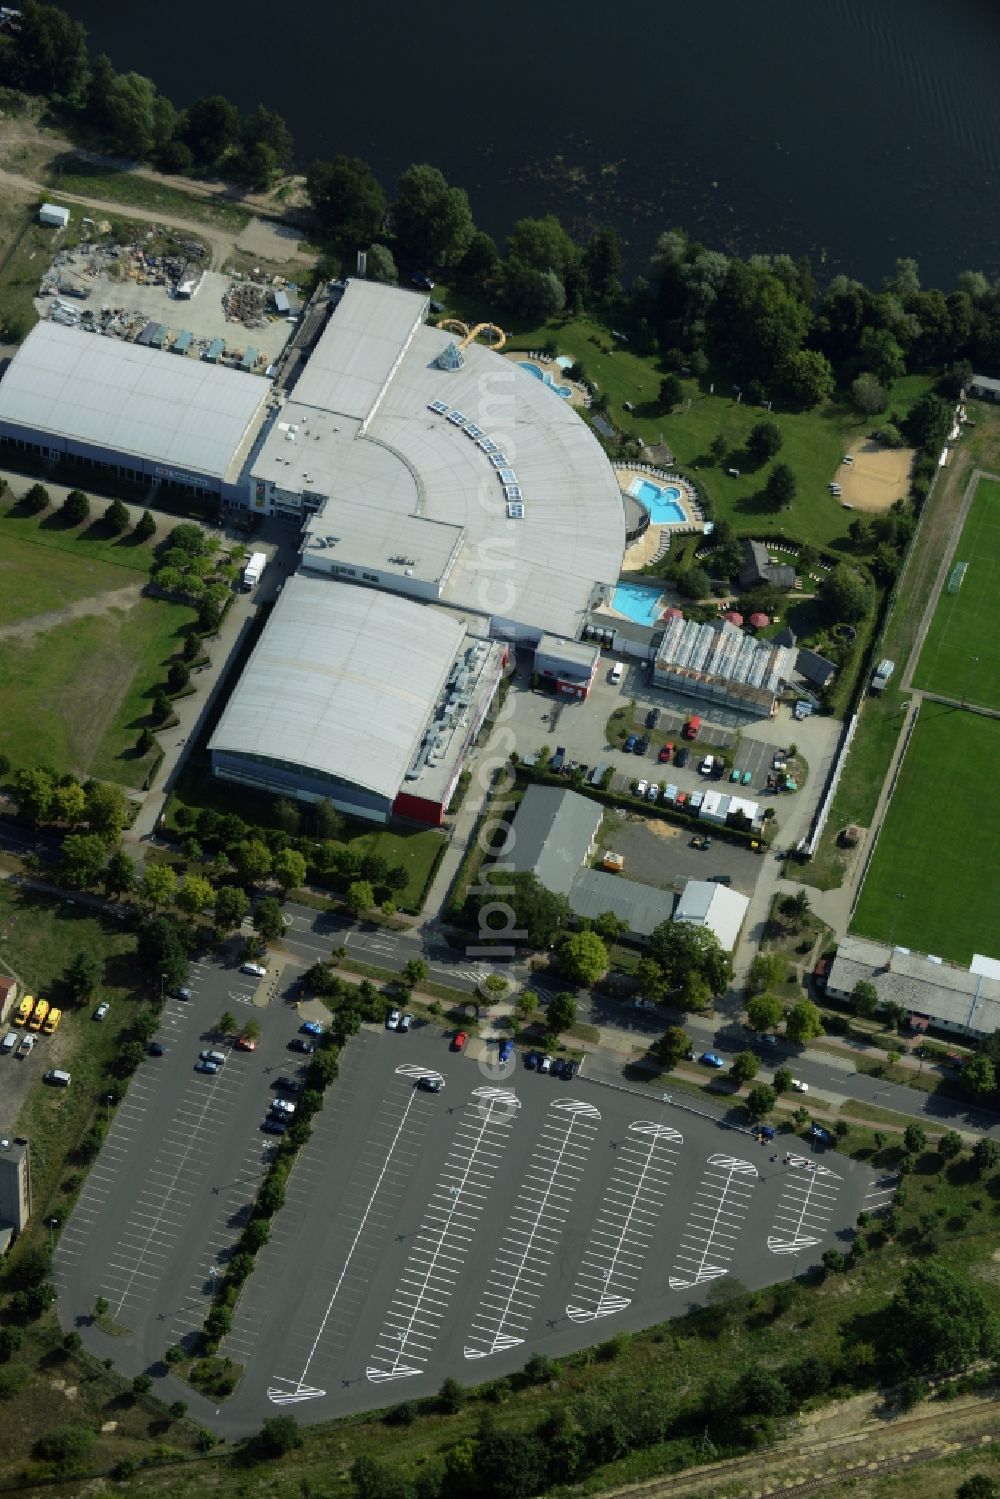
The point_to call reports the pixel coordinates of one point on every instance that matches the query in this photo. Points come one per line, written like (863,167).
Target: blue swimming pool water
(639,602)
(565,391)
(660,501)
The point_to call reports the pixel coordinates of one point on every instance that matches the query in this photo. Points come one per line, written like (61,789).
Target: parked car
(692,727)
(615,674)
(721,879)
(747,778)
(641,787)
(799,1086)
(697,799)
(558,1067)
(288,1084)
(181,993)
(102,1010)
(274,1126)
(311,1028)
(256,970)
(701,840)
(682,757)
(653,792)
(711,1059)
(217,1058)
(8,1043)
(430,1083)
(670,793)
(532,1060)
(642,747)
(545,1065)
(629,746)
(666,750)
(405,1021)
(57,1077)
(459,1040)
(155,1049)
(705,768)
(822,1135)
(203,1066)
(282,1106)
(734,774)
(506,1052)
(299,1043)
(559,758)
(246,1043)
(681,800)
(27,1046)
(652,718)
(392,1020)
(570,1069)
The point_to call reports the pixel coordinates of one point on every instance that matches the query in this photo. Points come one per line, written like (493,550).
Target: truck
(692,727)
(883,672)
(254,570)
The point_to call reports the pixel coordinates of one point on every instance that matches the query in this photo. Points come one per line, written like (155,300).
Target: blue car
(311,1028)
(506,1052)
(822,1135)
(630,743)
(532,1060)
(711,1059)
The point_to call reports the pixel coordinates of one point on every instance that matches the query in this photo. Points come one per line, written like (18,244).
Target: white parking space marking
(718,1211)
(524,1255)
(623,1229)
(293,1391)
(805,1207)
(878,1198)
(414,1317)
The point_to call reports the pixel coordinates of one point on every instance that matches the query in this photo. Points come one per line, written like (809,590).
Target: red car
(666,750)
(246,1043)
(459,1041)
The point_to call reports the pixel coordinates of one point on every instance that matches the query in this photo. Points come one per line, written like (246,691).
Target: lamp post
(163,980)
(109,1100)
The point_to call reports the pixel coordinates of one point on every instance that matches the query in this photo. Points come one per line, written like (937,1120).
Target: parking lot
(177,1175)
(508,1213)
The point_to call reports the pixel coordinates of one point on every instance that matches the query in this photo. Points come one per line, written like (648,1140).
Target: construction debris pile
(244,302)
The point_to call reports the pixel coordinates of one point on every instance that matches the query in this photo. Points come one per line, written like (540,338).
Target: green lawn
(37,576)
(91,180)
(961,655)
(938,841)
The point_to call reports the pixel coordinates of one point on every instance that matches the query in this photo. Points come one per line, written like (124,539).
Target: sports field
(937,847)
(961,655)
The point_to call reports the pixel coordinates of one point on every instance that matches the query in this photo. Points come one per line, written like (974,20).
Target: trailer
(253,571)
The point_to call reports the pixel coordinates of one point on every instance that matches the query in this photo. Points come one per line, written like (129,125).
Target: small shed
(55,217)
(281,302)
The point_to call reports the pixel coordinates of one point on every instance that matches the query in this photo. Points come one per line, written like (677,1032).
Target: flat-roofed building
(567,666)
(965,1001)
(719,664)
(362,698)
(15,1189)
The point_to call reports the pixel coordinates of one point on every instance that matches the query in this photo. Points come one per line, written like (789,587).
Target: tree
(914,1139)
(252,861)
(583,958)
(67,1446)
(480,261)
(209,127)
(745,1066)
(951,1145)
(938,1322)
(380,265)
(278,1436)
(119,874)
(195,894)
(347,199)
(141,1384)
(806,377)
(561,1013)
(415,971)
(764,1012)
(782,1079)
(36,499)
(979,1076)
(803,1022)
(868,395)
(864,998)
(34,793)
(679,948)
(845,593)
(433,221)
(268,920)
(231,905)
(928,422)
(760,1101)
(68,802)
(719,448)
(671,392)
(695,993)
(493,988)
(81,860)
(985,1154)
(978,1486)
(671,1047)
(145,742)
(531,914)
(532,293)
(602,265)
(145,526)
(290,869)
(359,896)
(610,927)
(265,127)
(83,976)
(780,487)
(75,508)
(158,884)
(227,1024)
(693,582)
(106,809)
(764,441)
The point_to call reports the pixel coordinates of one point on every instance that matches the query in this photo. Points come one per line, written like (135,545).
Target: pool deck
(578,397)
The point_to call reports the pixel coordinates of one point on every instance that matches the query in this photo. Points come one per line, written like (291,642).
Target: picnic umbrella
(759,621)
(733,617)
(672,613)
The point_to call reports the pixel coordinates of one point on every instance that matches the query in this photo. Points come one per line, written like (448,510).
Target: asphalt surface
(176,1177)
(509,1213)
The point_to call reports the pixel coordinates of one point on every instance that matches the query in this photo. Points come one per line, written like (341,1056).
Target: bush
(278,1435)
(66,1445)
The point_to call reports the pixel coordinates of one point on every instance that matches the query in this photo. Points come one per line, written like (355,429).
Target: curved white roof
(537,570)
(343,681)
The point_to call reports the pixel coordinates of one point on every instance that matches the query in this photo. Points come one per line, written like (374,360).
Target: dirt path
(27,629)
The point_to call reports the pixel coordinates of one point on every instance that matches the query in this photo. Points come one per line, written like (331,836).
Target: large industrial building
(365,699)
(131,410)
(444,473)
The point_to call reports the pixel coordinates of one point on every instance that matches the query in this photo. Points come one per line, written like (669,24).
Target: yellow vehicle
(38,1015)
(52,1020)
(21,1018)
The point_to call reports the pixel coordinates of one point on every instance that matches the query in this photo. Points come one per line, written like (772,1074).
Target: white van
(8,1043)
(58,1078)
(616,673)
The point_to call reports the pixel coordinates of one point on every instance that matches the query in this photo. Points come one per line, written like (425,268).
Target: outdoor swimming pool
(639,602)
(662,502)
(561,390)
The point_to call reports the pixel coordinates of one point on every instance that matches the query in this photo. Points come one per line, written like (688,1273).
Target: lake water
(854,131)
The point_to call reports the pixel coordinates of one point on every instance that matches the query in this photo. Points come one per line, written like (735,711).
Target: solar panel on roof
(487,444)
(506,476)
(515,510)
(512,491)
(499,460)
(473,431)
(439,406)
(459,418)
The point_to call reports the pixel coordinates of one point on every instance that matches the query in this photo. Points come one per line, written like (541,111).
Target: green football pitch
(961,655)
(930,884)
